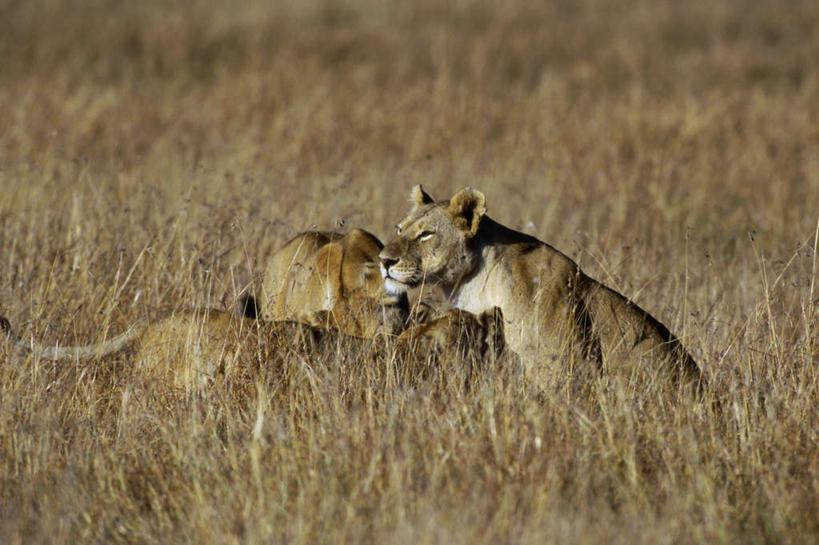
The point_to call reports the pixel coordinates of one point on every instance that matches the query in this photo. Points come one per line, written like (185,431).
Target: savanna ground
(152,154)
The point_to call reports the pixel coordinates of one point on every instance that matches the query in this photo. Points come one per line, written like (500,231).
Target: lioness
(320,279)
(553,313)
(331,280)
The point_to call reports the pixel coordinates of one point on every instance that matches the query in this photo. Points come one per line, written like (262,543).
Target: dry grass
(152,153)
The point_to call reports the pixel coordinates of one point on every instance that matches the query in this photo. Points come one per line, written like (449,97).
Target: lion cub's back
(191,348)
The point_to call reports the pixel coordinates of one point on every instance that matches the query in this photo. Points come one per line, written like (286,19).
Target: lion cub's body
(191,348)
(330,280)
(554,315)
(456,333)
(196,347)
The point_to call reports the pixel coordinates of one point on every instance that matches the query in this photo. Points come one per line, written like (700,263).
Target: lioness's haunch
(330,280)
(554,315)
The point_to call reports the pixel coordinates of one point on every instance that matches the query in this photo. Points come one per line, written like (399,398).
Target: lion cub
(330,280)
(316,280)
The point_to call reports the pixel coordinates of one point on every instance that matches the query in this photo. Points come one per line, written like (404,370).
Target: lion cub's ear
(419,197)
(467,207)
(327,270)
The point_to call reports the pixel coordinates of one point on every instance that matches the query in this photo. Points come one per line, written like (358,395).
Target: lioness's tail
(72,352)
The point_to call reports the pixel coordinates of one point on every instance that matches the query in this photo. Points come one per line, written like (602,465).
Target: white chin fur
(393,287)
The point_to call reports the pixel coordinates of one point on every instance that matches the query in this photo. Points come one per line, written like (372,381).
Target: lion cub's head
(434,242)
(359,304)
(356,257)
(330,280)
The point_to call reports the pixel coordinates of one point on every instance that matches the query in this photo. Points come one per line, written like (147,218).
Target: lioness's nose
(388,262)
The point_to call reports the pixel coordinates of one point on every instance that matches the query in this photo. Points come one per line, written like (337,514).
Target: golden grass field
(152,154)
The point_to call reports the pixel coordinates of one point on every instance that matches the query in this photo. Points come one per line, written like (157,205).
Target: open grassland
(153,153)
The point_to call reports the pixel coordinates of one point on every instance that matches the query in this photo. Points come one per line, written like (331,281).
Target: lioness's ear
(420,197)
(467,207)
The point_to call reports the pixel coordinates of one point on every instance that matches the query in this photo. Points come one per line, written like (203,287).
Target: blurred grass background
(152,154)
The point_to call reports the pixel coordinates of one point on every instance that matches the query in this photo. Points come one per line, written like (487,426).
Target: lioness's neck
(469,292)
(492,233)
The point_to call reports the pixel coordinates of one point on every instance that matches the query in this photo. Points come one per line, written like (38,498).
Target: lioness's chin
(394,287)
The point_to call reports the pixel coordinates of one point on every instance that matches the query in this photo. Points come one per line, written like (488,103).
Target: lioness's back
(287,272)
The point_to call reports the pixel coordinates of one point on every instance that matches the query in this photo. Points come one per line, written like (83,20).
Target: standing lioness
(555,316)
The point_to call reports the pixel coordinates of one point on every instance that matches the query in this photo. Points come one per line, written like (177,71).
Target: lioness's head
(433,243)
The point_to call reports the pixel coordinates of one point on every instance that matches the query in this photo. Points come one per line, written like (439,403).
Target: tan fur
(452,349)
(455,333)
(319,279)
(188,349)
(322,279)
(192,348)
(554,315)
(331,280)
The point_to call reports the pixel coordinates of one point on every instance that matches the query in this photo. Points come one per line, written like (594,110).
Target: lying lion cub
(188,349)
(458,334)
(554,315)
(185,349)
(319,279)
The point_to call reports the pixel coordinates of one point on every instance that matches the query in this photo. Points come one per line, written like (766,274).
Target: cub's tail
(83,352)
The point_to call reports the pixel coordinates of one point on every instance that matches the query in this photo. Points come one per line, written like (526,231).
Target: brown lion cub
(554,315)
(330,280)
(187,348)
(457,334)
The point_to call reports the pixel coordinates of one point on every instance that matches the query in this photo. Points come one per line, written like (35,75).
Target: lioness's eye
(425,235)
(398,229)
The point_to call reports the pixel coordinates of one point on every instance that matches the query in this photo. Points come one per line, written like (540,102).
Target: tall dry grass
(152,153)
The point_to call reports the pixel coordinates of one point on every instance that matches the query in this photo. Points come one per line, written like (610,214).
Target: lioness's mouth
(394,286)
